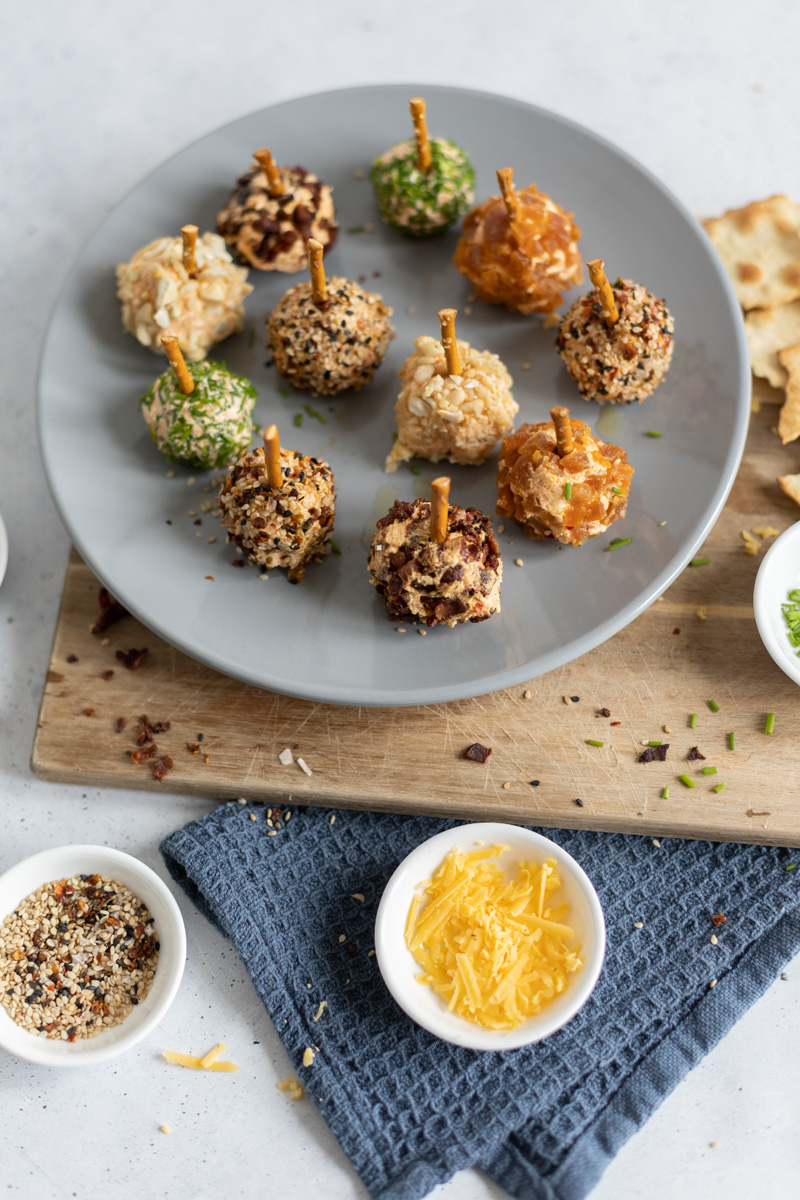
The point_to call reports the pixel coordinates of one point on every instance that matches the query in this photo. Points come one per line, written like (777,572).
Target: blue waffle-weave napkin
(543,1121)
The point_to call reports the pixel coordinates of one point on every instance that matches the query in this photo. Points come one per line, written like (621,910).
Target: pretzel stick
(319,292)
(178,364)
(447,317)
(417,106)
(189,235)
(267,163)
(272,453)
(505,177)
(440,495)
(563,430)
(598,278)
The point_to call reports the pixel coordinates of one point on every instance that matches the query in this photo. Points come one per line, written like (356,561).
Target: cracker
(760,248)
(789,420)
(770,330)
(790,484)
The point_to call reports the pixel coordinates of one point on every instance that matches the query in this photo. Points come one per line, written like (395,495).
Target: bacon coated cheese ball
(457,417)
(434,583)
(286,527)
(208,428)
(623,362)
(271,232)
(422,203)
(159,296)
(525,263)
(569,498)
(331,347)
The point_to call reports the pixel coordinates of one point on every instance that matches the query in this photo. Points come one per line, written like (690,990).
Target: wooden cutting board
(664,666)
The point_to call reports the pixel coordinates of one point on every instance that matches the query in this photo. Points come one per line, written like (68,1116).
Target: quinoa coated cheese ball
(460,418)
(422,203)
(623,362)
(571,497)
(330,347)
(159,296)
(271,232)
(208,428)
(434,583)
(279,527)
(525,262)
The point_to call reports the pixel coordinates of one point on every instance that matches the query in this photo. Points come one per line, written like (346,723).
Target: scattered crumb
(506,785)
(567,699)
(211,541)
(713,1145)
(323,1004)
(526,367)
(467,311)
(304,767)
(401,629)
(666,729)
(285,757)
(342,938)
(526,695)
(501,528)
(190,481)
(293,1086)
(701,612)
(359,896)
(765,531)
(106,642)
(518,562)
(422,632)
(638,924)
(165,1128)
(308,1056)
(661,525)
(169,474)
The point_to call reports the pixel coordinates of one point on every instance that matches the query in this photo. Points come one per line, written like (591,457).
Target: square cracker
(760,248)
(770,330)
(789,420)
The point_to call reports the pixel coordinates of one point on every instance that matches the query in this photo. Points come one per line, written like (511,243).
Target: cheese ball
(159,297)
(422,203)
(431,583)
(208,428)
(526,263)
(569,498)
(457,417)
(271,232)
(626,361)
(286,527)
(333,347)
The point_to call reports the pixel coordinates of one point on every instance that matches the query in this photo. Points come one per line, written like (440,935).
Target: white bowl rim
(767,605)
(172,958)
(475,1037)
(3,549)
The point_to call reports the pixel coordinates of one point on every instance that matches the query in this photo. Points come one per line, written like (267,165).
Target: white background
(93,95)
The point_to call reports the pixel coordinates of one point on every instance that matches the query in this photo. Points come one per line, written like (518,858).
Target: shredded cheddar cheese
(293,1086)
(212,1056)
(197,1064)
(495,949)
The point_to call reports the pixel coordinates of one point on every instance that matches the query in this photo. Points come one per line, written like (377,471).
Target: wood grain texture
(411,759)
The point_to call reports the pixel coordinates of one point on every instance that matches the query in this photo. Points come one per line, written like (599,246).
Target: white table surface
(94,95)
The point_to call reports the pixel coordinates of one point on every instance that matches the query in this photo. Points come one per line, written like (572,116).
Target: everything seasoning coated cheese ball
(183,287)
(423,185)
(199,414)
(520,249)
(560,481)
(436,563)
(278,506)
(272,213)
(455,402)
(616,342)
(328,336)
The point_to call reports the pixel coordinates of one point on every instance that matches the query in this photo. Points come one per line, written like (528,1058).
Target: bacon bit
(718,919)
(676,629)
(654,753)
(88,712)
(111,611)
(616,722)
(750,813)
(108,675)
(693,754)
(140,755)
(206,758)
(604,712)
(150,729)
(72,658)
(161,767)
(351,950)
(477,753)
(211,577)
(132,658)
(121,723)
(193,747)
(237,562)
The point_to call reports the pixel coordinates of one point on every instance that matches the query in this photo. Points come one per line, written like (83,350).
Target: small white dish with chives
(776,601)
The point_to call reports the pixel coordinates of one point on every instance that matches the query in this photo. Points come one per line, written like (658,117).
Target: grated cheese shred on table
(494,949)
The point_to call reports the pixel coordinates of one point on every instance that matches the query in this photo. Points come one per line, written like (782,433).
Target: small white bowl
(778,575)
(60,863)
(399,969)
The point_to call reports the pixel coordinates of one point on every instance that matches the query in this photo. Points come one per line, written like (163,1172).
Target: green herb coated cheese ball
(208,428)
(423,203)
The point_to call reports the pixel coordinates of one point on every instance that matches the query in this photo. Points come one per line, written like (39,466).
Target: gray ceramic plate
(328,639)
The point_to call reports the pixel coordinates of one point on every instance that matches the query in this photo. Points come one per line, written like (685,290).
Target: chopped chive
(567,491)
(415,470)
(712,704)
(665,794)
(692,720)
(618,542)
(334,548)
(312,412)
(699,562)
(770,725)
(731,741)
(720,787)
(686,781)
(284,393)
(653,433)
(617,491)
(395,436)
(593,742)
(251,337)
(790,867)
(356,229)
(298,419)
(654,743)
(709,770)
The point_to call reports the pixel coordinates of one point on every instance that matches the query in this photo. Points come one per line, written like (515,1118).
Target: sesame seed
(518,562)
